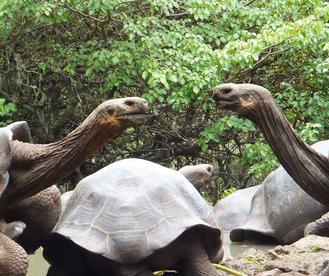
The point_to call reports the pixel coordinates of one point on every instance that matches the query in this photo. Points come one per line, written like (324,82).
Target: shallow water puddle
(37,266)
(234,250)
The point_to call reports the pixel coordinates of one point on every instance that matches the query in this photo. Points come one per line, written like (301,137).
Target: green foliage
(311,132)
(6,109)
(253,260)
(227,192)
(228,125)
(259,158)
(63,53)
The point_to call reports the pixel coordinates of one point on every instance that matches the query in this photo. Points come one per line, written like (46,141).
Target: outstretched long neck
(36,167)
(308,168)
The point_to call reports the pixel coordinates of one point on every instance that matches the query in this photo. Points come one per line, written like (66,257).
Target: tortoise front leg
(40,213)
(13,258)
(195,261)
(198,264)
(318,227)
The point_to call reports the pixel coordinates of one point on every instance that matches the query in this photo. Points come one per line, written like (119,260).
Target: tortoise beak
(137,111)
(225,97)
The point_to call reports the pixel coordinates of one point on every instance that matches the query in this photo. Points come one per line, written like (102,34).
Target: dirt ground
(308,256)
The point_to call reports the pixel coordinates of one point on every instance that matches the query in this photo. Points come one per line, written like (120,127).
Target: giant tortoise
(131,218)
(307,167)
(278,208)
(33,168)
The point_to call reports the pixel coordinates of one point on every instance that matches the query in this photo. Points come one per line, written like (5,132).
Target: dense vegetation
(60,58)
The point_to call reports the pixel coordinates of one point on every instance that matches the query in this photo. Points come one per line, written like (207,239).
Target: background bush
(60,58)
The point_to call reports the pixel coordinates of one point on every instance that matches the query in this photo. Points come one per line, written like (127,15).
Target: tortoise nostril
(145,103)
(129,103)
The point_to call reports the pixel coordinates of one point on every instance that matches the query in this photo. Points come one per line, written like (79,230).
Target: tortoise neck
(37,167)
(308,168)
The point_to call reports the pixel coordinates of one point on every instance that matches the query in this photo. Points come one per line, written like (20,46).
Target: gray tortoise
(278,208)
(308,167)
(28,172)
(131,218)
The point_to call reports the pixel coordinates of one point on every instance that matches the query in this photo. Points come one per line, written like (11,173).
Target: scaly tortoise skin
(132,217)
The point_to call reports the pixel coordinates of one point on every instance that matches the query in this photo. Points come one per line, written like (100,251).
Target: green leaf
(164,82)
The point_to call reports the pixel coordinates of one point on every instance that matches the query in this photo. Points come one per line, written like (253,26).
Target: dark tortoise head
(126,112)
(240,98)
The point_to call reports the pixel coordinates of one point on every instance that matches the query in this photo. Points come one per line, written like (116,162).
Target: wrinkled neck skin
(36,167)
(308,168)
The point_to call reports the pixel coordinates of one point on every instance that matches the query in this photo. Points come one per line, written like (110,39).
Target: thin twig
(228,270)
(88,16)
(217,266)
(178,15)
(250,2)
(259,63)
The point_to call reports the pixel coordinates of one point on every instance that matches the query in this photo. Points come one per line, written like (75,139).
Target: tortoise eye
(129,103)
(226,90)
(110,111)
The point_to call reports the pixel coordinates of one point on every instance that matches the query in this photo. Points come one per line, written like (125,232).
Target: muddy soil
(308,256)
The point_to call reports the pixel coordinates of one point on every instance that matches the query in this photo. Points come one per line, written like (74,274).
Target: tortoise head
(20,131)
(13,229)
(125,112)
(5,157)
(240,98)
(199,175)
